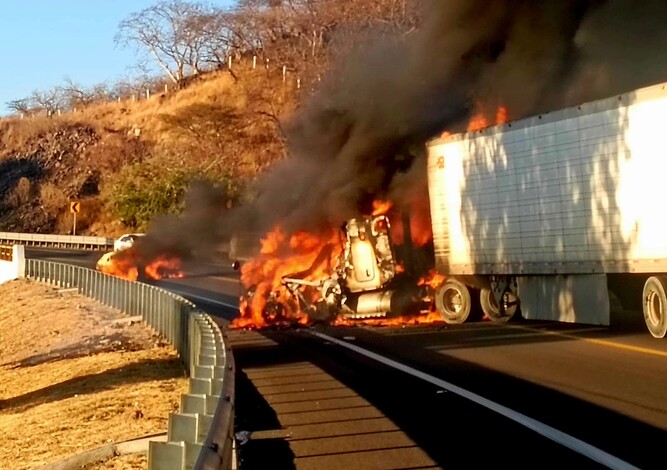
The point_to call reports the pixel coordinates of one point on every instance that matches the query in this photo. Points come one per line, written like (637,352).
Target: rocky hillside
(128,161)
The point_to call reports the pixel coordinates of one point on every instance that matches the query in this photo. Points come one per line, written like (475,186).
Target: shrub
(52,198)
(21,194)
(145,190)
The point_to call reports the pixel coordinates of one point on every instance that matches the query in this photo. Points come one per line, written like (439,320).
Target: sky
(44,41)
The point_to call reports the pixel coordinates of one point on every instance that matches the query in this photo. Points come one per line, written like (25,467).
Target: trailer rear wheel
(655,305)
(491,309)
(453,301)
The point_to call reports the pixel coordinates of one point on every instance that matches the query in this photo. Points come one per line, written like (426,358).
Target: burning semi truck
(366,281)
(539,215)
(355,273)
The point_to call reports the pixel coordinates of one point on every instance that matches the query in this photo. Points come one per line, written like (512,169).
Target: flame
(424,318)
(433,279)
(308,256)
(420,222)
(311,257)
(430,316)
(502,116)
(479,120)
(164,267)
(125,265)
(381,207)
(122,264)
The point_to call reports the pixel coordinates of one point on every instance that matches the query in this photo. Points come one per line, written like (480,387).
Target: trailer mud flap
(581,298)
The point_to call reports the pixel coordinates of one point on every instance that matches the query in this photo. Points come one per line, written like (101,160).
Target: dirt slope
(75,375)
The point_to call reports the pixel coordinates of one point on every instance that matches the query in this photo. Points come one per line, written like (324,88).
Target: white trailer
(543,209)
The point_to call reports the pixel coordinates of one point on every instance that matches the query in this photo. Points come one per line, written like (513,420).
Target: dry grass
(75,375)
(52,198)
(18,133)
(251,90)
(122,462)
(21,194)
(129,115)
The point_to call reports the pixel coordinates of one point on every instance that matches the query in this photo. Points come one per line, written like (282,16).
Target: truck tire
(453,301)
(655,305)
(491,309)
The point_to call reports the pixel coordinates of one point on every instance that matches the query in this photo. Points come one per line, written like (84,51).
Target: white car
(126,241)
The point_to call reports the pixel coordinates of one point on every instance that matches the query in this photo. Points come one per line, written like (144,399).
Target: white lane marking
(235,280)
(536,334)
(571,442)
(188,295)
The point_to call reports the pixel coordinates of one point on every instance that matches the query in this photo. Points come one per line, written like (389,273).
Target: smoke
(361,135)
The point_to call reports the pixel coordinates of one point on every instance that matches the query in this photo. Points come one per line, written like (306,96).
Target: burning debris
(129,264)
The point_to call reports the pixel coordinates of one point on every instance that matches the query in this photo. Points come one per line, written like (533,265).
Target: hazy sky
(44,41)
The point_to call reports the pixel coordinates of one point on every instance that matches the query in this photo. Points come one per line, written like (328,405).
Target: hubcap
(655,312)
(452,300)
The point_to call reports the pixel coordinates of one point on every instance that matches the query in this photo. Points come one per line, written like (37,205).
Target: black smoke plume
(361,136)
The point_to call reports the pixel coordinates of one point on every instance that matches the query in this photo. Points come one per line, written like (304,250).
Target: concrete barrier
(12,262)
(56,241)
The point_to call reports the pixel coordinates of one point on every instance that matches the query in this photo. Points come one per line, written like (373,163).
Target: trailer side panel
(577,191)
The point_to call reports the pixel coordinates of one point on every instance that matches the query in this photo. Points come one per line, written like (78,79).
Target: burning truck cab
(363,280)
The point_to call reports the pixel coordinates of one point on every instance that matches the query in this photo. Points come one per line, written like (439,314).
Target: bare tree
(76,95)
(48,101)
(20,106)
(170,32)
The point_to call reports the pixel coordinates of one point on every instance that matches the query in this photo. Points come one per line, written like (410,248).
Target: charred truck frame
(364,283)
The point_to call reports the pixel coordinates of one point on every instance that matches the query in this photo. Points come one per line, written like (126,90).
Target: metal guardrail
(56,241)
(201,435)
(240,247)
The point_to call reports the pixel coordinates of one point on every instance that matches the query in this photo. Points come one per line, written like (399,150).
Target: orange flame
(308,256)
(420,222)
(164,267)
(479,120)
(424,318)
(122,264)
(381,207)
(501,115)
(433,279)
(125,265)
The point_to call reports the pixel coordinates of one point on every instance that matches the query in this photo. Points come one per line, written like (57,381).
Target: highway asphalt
(522,395)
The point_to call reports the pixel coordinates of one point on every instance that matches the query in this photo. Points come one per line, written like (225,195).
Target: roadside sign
(74,208)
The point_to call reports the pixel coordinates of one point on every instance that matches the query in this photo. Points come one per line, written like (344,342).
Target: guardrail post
(117,293)
(93,285)
(162,312)
(126,297)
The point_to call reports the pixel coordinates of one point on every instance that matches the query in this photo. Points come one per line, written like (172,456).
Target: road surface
(522,395)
